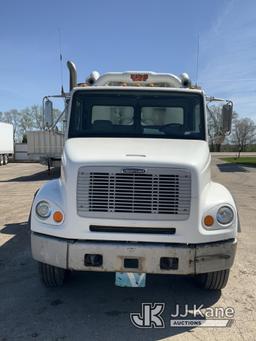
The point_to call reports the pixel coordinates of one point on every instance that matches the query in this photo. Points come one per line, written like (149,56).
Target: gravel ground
(90,307)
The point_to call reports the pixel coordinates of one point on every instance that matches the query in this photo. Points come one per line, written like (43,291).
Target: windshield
(137,114)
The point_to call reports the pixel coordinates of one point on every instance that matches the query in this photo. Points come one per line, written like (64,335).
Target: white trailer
(135,193)
(6,142)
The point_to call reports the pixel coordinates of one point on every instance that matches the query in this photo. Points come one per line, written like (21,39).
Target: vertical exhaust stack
(72,75)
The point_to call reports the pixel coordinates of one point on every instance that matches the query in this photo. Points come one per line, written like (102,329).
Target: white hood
(116,151)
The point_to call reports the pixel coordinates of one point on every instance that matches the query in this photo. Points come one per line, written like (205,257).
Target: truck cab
(135,193)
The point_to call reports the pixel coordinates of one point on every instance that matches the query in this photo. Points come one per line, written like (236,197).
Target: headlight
(43,209)
(225,215)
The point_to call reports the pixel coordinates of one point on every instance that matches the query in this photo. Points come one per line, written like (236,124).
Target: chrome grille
(104,191)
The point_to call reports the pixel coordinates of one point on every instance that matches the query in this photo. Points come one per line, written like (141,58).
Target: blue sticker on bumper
(130,279)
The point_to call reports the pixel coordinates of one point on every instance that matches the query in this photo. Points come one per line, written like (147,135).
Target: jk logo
(150,316)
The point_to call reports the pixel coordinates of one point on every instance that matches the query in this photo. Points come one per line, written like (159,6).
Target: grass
(243,160)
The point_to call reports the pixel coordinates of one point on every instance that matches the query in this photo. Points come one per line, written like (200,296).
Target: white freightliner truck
(135,195)
(6,142)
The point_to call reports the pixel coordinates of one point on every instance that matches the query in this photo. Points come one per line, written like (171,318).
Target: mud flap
(130,279)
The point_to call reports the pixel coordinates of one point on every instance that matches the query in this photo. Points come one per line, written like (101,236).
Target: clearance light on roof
(139,77)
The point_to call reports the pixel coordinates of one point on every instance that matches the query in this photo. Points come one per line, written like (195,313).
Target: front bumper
(189,259)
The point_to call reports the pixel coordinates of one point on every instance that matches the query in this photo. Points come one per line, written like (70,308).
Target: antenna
(61,63)
(197,57)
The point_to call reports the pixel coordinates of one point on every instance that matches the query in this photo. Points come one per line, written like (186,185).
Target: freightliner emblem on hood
(133,170)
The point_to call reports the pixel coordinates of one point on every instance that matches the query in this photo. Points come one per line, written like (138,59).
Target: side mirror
(48,113)
(227,113)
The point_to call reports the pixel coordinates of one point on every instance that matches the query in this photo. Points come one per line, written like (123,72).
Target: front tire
(1,160)
(51,276)
(213,280)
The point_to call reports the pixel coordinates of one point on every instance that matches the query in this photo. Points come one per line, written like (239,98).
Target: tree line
(242,136)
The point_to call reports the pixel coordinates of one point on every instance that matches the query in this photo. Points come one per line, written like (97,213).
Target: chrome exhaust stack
(72,75)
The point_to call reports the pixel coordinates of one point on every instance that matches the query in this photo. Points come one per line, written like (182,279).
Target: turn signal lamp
(58,216)
(208,220)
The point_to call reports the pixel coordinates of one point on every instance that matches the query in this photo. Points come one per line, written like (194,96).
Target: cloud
(227,65)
